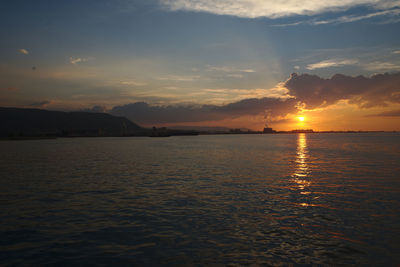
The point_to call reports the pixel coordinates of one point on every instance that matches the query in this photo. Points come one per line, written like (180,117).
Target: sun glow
(301,118)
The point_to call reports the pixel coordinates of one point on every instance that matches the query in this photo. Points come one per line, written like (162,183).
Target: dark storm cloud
(142,112)
(366,92)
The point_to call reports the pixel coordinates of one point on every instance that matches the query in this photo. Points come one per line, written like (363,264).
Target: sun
(301,118)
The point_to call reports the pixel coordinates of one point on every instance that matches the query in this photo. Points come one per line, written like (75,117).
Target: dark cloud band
(366,92)
(142,112)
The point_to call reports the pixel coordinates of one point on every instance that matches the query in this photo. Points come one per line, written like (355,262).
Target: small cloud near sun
(23,51)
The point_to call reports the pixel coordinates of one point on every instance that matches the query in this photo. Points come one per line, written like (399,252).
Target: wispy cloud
(331,63)
(23,51)
(179,78)
(133,83)
(229,69)
(76,60)
(382,66)
(235,75)
(391,16)
(272,8)
(347,19)
(290,24)
(40,104)
(277,92)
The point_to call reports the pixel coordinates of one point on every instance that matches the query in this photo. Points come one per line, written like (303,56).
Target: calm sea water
(235,199)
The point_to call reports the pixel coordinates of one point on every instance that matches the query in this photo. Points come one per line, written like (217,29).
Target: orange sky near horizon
(339,117)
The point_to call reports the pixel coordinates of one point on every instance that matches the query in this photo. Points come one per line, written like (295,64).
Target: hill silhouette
(19,122)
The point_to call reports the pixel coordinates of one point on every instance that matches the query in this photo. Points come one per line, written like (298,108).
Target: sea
(312,199)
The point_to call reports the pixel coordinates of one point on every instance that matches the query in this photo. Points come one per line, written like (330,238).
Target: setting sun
(300,118)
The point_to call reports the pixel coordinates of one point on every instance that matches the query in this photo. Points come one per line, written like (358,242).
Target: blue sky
(78,54)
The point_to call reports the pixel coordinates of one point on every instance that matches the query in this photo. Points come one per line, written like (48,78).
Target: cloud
(382,66)
(179,78)
(289,24)
(391,113)
(331,63)
(366,92)
(96,109)
(133,83)
(40,104)
(235,75)
(76,60)
(23,51)
(299,91)
(248,70)
(272,8)
(144,113)
(390,16)
(353,18)
(278,91)
(229,69)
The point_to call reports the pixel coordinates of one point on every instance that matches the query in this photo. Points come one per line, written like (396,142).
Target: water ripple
(306,199)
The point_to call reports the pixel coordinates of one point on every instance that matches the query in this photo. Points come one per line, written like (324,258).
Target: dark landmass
(165,132)
(228,131)
(19,123)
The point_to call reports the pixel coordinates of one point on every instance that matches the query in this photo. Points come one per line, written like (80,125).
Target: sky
(230,63)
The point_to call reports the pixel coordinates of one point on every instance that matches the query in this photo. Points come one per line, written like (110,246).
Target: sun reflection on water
(302,171)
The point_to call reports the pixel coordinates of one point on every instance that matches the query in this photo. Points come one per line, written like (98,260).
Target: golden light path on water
(301,174)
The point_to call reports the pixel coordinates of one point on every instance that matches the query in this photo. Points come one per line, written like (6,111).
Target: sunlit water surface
(234,199)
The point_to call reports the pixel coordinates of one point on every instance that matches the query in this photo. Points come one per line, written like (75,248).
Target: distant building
(237,131)
(268,130)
